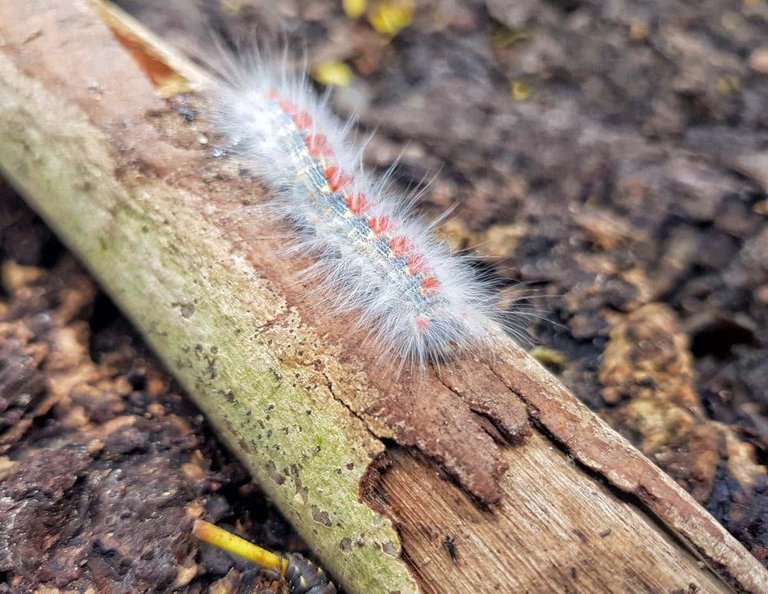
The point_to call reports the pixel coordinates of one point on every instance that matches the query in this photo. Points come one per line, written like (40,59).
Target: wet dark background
(609,160)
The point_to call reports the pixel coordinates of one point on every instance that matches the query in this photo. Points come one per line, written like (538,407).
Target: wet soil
(609,163)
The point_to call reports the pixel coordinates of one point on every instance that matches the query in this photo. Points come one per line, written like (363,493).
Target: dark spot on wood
(320,516)
(450,547)
(345,544)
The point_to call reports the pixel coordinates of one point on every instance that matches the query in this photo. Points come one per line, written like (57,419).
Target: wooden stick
(131,187)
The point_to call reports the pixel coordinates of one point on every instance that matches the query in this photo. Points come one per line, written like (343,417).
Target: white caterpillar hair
(373,257)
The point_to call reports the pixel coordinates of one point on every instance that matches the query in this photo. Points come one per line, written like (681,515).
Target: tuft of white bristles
(372,256)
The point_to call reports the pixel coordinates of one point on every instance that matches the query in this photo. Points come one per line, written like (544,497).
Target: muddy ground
(609,160)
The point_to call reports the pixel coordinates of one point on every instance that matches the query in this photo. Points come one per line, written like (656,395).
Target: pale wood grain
(552,532)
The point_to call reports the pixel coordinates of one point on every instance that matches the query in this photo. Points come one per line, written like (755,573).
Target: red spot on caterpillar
(356,204)
(430,284)
(288,107)
(336,179)
(378,224)
(422,323)
(272,94)
(302,120)
(317,145)
(399,245)
(417,264)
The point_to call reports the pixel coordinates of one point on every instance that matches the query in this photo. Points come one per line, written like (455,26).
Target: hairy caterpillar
(412,296)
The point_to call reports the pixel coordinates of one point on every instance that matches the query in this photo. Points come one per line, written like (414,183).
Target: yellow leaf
(548,357)
(332,73)
(521,90)
(354,8)
(389,17)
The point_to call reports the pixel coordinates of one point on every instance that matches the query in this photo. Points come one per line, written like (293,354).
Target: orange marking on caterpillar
(399,245)
(336,179)
(422,323)
(378,224)
(317,145)
(272,94)
(430,285)
(302,120)
(357,204)
(416,264)
(288,107)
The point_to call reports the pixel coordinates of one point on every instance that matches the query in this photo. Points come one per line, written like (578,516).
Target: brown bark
(131,188)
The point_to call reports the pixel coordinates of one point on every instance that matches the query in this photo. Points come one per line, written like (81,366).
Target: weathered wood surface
(131,188)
